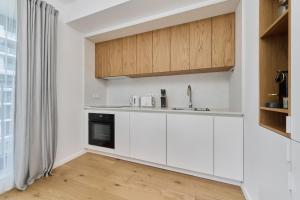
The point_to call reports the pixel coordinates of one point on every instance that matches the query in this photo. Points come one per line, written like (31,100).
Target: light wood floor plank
(95,177)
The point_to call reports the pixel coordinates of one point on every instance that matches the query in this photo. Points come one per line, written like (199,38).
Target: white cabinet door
(148,137)
(190,142)
(296,170)
(122,135)
(228,147)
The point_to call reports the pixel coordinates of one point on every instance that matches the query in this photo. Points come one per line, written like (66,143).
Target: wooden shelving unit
(279,110)
(278,130)
(280,26)
(274,48)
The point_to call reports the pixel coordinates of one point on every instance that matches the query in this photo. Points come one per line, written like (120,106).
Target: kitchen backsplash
(210,89)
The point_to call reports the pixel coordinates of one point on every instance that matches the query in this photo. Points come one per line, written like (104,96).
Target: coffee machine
(282,79)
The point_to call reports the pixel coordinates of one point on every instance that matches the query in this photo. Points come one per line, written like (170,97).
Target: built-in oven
(102,130)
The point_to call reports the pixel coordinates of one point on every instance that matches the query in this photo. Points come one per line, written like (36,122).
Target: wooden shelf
(279,130)
(274,56)
(279,26)
(278,110)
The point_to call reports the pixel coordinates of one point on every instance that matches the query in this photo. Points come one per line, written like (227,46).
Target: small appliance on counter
(163,98)
(147,101)
(135,101)
(282,80)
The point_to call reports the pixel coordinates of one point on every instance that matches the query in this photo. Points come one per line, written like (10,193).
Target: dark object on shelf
(273,105)
(163,98)
(283,7)
(282,78)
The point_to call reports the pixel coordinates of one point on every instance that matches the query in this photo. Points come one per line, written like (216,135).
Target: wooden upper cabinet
(102,68)
(161,50)
(223,40)
(203,45)
(115,57)
(180,47)
(200,44)
(144,53)
(129,55)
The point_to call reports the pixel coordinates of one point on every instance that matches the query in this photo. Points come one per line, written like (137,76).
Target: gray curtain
(36,110)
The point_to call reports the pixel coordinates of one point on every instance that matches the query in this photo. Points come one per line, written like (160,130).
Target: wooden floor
(94,177)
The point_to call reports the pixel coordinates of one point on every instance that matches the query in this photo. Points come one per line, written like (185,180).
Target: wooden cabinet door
(148,137)
(200,44)
(223,42)
(190,142)
(115,57)
(101,60)
(180,42)
(228,148)
(129,55)
(144,53)
(161,50)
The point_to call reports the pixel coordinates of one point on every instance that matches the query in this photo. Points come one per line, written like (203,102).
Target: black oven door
(102,134)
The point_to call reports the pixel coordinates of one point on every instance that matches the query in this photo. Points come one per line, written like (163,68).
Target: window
(8,45)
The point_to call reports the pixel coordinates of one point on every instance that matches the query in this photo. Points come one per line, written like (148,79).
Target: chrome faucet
(189,93)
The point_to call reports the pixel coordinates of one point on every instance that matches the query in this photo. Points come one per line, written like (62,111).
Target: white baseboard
(68,159)
(246,194)
(200,175)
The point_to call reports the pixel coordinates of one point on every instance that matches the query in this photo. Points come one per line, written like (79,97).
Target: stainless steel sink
(178,108)
(192,109)
(201,109)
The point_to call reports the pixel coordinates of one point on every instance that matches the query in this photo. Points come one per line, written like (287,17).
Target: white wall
(295,62)
(70,89)
(236,79)
(265,168)
(209,89)
(94,89)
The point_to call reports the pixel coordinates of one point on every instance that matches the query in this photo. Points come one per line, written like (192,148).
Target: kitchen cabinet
(101,60)
(161,50)
(200,44)
(122,134)
(180,42)
(206,45)
(148,137)
(129,55)
(296,169)
(144,53)
(190,142)
(115,57)
(228,148)
(223,40)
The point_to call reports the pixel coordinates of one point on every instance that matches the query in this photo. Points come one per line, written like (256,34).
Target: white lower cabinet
(228,147)
(148,137)
(295,170)
(205,144)
(122,134)
(190,142)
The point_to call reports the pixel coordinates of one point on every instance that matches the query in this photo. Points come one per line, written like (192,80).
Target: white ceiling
(123,13)
(136,16)
(67,1)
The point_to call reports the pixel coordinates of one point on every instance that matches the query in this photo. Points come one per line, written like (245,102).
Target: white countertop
(217,112)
